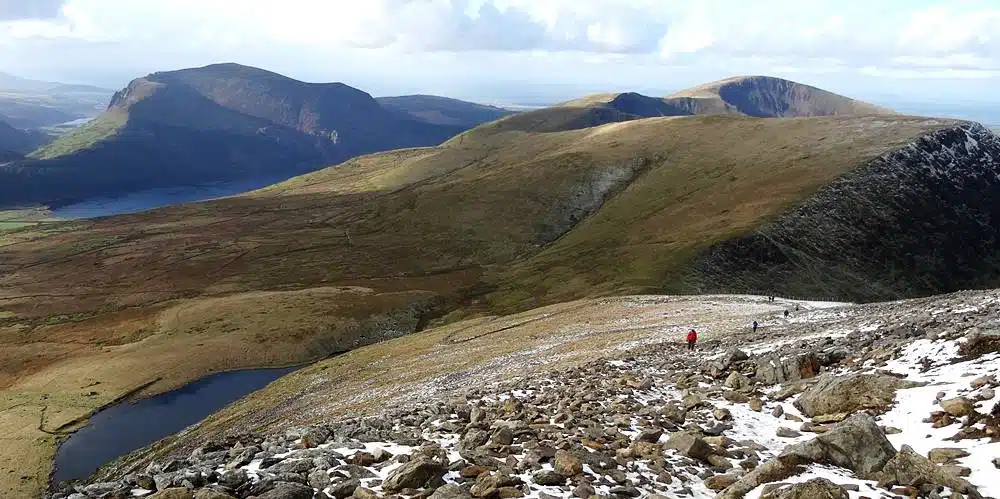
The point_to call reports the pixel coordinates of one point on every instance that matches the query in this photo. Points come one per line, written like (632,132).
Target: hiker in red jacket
(692,338)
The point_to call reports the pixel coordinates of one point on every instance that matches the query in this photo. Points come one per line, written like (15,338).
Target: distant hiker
(786,314)
(692,338)
(755,326)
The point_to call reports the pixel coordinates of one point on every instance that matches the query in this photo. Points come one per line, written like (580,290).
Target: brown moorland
(483,224)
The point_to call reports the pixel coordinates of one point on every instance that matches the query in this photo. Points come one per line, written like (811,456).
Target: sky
(522,51)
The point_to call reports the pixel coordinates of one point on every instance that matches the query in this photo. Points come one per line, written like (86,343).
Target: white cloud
(960,39)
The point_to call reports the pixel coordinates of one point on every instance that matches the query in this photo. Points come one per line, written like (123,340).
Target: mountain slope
(764,96)
(27,103)
(443,110)
(216,123)
(20,141)
(483,224)
(757,96)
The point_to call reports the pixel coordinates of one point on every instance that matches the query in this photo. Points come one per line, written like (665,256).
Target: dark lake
(127,426)
(158,198)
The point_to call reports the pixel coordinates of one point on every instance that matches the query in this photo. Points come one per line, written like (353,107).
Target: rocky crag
(930,209)
(878,400)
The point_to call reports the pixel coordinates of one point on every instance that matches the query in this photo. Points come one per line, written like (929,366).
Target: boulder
(981,340)
(958,406)
(568,464)
(549,478)
(288,490)
(318,479)
(690,445)
(772,470)
(817,488)
(945,455)
(176,493)
(785,432)
(360,493)
(719,482)
(211,494)
(908,468)
(846,394)
(413,475)
(773,369)
(737,381)
(451,491)
(235,479)
(857,444)
(487,485)
(344,489)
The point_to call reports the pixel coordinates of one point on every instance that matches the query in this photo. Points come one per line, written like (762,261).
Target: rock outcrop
(835,244)
(846,394)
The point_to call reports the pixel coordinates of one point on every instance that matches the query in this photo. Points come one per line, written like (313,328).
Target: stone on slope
(690,445)
(567,464)
(719,482)
(211,494)
(288,490)
(548,478)
(413,475)
(857,444)
(958,406)
(359,493)
(773,369)
(737,381)
(208,493)
(344,489)
(450,491)
(176,493)
(817,488)
(945,455)
(911,469)
(845,394)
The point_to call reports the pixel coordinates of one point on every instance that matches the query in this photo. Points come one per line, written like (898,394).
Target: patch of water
(127,426)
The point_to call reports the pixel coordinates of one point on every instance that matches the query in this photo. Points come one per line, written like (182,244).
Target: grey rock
(318,479)
(845,394)
(690,445)
(292,466)
(549,478)
(773,369)
(344,489)
(450,491)
(413,475)
(787,432)
(911,469)
(857,444)
(817,488)
(233,479)
(288,490)
(737,381)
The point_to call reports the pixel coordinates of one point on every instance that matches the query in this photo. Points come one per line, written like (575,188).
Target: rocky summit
(879,400)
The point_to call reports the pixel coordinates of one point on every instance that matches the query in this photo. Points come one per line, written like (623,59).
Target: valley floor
(599,397)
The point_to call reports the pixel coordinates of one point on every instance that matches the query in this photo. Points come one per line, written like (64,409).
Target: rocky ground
(884,400)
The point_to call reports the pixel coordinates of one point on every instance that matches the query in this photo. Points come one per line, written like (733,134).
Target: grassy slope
(101,128)
(91,300)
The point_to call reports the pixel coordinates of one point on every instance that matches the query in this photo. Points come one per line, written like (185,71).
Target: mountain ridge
(153,134)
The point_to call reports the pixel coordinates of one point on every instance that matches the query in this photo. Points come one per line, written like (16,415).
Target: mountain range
(33,104)
(227,122)
(752,185)
(220,123)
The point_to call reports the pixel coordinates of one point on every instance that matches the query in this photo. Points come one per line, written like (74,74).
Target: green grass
(101,128)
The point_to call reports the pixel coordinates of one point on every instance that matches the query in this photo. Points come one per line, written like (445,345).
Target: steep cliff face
(920,220)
